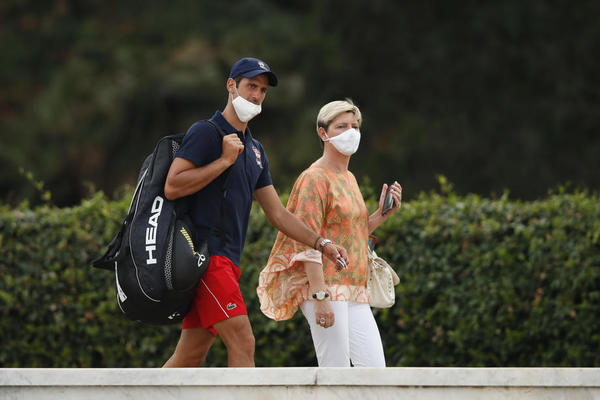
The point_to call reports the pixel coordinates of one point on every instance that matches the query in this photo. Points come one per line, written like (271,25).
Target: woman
(333,297)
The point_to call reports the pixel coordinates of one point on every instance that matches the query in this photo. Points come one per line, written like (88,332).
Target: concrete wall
(301,383)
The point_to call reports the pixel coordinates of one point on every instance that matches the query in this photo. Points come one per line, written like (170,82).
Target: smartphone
(388,202)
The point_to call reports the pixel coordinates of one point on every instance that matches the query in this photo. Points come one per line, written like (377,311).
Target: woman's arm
(316,281)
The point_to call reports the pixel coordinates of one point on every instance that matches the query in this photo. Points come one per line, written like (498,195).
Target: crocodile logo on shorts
(231,306)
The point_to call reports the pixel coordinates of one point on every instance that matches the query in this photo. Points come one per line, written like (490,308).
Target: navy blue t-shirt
(202,145)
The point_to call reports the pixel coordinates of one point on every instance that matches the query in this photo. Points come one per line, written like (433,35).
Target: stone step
(299,383)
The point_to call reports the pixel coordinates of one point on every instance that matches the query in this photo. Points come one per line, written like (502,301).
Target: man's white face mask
(245,110)
(346,142)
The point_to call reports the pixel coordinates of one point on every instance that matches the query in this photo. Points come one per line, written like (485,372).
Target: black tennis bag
(156,259)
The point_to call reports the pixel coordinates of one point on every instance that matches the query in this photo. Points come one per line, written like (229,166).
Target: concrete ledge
(298,383)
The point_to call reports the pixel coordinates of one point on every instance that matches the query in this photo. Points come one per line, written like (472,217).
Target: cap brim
(271,76)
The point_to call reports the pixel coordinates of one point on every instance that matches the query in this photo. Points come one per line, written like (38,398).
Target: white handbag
(381,282)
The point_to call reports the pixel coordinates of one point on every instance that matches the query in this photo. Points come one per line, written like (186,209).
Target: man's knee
(246,339)
(192,348)
(189,358)
(236,334)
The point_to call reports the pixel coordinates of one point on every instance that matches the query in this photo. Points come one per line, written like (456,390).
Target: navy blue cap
(249,67)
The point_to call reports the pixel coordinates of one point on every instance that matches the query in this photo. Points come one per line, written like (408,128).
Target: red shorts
(218,296)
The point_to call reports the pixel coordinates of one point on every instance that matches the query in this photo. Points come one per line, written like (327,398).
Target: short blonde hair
(330,111)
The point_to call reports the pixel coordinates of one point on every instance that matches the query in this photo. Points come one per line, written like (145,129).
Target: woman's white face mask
(245,110)
(346,142)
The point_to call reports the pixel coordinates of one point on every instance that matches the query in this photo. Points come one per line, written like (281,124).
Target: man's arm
(290,225)
(184,178)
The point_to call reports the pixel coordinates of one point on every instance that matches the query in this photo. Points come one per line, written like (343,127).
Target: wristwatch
(320,295)
(324,243)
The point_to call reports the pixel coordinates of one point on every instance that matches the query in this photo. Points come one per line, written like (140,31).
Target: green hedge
(484,282)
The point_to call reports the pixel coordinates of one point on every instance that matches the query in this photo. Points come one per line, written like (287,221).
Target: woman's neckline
(330,169)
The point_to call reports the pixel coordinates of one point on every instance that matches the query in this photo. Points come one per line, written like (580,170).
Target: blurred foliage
(492,94)
(484,282)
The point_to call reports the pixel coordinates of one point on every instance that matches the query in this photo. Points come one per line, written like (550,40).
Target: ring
(322,321)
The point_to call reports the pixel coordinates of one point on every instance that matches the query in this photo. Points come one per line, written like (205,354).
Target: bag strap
(224,187)
(107,260)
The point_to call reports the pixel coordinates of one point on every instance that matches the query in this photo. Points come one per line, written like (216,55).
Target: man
(198,170)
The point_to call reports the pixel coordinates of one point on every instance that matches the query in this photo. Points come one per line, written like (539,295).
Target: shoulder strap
(221,230)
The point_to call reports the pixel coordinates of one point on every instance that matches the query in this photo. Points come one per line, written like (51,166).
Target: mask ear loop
(326,137)
(236,92)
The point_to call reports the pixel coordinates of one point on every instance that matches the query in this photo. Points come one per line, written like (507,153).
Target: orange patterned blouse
(332,205)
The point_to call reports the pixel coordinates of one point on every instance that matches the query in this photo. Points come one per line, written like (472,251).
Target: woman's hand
(336,254)
(396,191)
(324,313)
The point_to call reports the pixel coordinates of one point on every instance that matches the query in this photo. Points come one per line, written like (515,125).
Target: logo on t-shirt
(257,154)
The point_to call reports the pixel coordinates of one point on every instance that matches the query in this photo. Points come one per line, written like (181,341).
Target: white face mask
(245,110)
(346,142)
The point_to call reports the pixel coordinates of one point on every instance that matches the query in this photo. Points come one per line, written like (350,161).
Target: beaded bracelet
(316,241)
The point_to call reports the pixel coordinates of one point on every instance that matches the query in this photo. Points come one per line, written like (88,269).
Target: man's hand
(232,148)
(336,254)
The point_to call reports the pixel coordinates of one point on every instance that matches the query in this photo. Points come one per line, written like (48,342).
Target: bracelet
(316,241)
(324,243)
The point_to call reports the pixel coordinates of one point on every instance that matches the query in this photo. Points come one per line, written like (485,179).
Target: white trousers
(354,336)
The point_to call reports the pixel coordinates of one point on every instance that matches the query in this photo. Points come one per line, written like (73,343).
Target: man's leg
(218,308)
(191,349)
(237,336)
